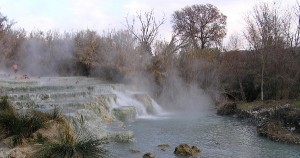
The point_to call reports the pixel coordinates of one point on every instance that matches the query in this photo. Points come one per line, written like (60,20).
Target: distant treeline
(268,69)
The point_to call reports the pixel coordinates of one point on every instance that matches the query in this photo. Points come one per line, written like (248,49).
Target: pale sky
(102,15)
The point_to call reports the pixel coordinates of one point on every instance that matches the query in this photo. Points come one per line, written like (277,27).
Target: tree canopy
(202,25)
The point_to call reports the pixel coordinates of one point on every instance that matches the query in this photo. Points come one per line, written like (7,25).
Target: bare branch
(148,31)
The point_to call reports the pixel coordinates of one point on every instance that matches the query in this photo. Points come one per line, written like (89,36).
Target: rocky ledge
(278,123)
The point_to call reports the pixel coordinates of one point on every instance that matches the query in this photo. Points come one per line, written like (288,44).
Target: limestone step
(36,89)
(106,88)
(96,89)
(64,92)
(46,95)
(73,103)
(17,82)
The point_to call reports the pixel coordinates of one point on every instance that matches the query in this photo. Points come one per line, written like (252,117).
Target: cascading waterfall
(158,109)
(102,106)
(125,99)
(118,97)
(145,106)
(72,92)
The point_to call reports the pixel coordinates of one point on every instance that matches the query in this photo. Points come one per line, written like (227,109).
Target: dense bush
(71,145)
(17,125)
(22,125)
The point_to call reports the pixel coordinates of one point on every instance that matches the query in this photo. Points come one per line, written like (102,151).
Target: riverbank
(277,120)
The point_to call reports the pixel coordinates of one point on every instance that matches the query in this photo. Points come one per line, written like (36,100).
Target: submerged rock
(149,155)
(121,136)
(186,150)
(125,113)
(163,147)
(134,151)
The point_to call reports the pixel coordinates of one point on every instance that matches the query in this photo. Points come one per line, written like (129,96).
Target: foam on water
(155,117)
(157,108)
(126,98)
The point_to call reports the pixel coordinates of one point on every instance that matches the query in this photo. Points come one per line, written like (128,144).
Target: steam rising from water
(178,96)
(39,58)
(127,98)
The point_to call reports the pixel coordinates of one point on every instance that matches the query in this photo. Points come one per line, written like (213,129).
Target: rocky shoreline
(279,123)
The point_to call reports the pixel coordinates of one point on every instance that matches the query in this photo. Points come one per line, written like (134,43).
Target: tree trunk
(262,79)
(242,90)
(195,43)
(202,45)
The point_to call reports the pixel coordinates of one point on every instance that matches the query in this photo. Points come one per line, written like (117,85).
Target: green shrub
(4,104)
(54,115)
(297,103)
(18,125)
(71,146)
(40,139)
(8,121)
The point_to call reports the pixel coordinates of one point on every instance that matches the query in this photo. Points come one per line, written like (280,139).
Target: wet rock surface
(278,123)
(90,103)
(148,155)
(125,114)
(276,131)
(163,147)
(186,150)
(134,151)
(121,136)
(281,124)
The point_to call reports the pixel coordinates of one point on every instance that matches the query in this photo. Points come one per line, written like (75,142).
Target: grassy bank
(247,106)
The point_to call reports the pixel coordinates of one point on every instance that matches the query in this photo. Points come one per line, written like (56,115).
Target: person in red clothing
(15,68)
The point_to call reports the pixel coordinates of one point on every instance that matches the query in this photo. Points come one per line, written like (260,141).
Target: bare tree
(266,32)
(10,43)
(203,25)
(146,31)
(296,37)
(10,40)
(235,42)
(118,52)
(5,24)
